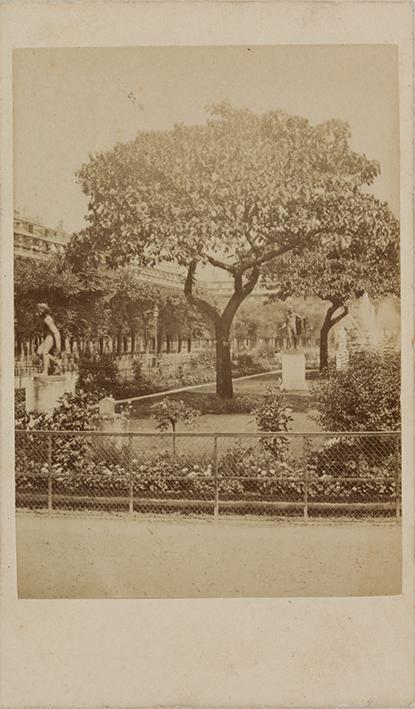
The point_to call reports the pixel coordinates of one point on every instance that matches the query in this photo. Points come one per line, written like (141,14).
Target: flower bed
(243,474)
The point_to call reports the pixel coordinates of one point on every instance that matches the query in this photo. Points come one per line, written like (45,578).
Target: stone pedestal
(342,350)
(107,407)
(110,422)
(43,392)
(293,372)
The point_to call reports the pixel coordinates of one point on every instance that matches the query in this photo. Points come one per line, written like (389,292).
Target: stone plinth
(115,423)
(107,406)
(342,349)
(43,392)
(293,372)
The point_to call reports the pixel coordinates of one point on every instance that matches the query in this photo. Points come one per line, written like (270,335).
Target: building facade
(34,240)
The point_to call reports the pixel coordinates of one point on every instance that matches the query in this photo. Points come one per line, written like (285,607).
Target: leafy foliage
(246,363)
(98,374)
(76,305)
(364,396)
(244,474)
(365,258)
(72,413)
(239,184)
(168,413)
(236,193)
(272,414)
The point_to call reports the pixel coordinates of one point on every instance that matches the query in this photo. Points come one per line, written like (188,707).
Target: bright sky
(71,102)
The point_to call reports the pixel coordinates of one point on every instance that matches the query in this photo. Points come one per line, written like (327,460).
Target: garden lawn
(211,423)
(76,556)
(255,387)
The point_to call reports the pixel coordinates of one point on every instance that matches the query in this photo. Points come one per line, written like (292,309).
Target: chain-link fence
(304,475)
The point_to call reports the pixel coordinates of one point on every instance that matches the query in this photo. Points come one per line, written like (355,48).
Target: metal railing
(349,475)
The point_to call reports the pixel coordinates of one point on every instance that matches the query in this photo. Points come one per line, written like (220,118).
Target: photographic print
(207,321)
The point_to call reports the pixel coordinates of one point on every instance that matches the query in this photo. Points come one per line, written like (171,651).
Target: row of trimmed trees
(101,303)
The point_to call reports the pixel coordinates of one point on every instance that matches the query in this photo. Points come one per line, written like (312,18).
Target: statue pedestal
(43,392)
(110,422)
(293,372)
(342,350)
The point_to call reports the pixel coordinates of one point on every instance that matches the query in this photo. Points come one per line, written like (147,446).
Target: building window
(30,228)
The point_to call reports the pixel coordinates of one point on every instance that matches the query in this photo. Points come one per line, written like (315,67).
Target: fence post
(131,483)
(50,500)
(215,473)
(131,496)
(398,478)
(305,479)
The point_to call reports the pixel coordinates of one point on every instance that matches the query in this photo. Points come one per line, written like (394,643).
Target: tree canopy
(75,303)
(236,193)
(364,260)
(245,186)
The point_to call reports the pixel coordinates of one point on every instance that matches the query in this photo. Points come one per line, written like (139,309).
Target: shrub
(168,413)
(98,374)
(203,360)
(129,390)
(272,414)
(208,403)
(246,363)
(363,396)
(239,404)
(72,413)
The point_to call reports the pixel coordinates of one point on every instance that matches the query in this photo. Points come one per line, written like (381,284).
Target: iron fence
(333,475)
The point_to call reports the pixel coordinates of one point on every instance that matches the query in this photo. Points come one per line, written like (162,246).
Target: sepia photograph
(207,321)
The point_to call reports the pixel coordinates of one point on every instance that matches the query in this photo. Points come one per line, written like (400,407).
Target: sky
(69,103)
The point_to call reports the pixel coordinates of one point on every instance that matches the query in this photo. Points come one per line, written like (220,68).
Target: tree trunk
(179,344)
(119,344)
(224,386)
(132,342)
(189,345)
(328,323)
(324,343)
(222,322)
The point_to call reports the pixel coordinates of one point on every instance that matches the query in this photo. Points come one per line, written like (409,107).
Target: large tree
(365,260)
(236,193)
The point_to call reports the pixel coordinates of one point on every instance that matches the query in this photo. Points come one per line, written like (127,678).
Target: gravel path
(76,556)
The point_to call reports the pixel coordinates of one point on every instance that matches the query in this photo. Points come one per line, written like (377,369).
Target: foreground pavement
(74,556)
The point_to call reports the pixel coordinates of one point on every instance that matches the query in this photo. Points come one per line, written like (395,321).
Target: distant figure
(50,348)
(293,324)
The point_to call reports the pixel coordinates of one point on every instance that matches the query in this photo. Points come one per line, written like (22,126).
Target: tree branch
(219,264)
(239,295)
(251,282)
(256,262)
(340,316)
(206,308)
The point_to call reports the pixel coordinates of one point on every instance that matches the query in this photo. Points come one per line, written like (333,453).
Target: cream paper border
(214,652)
